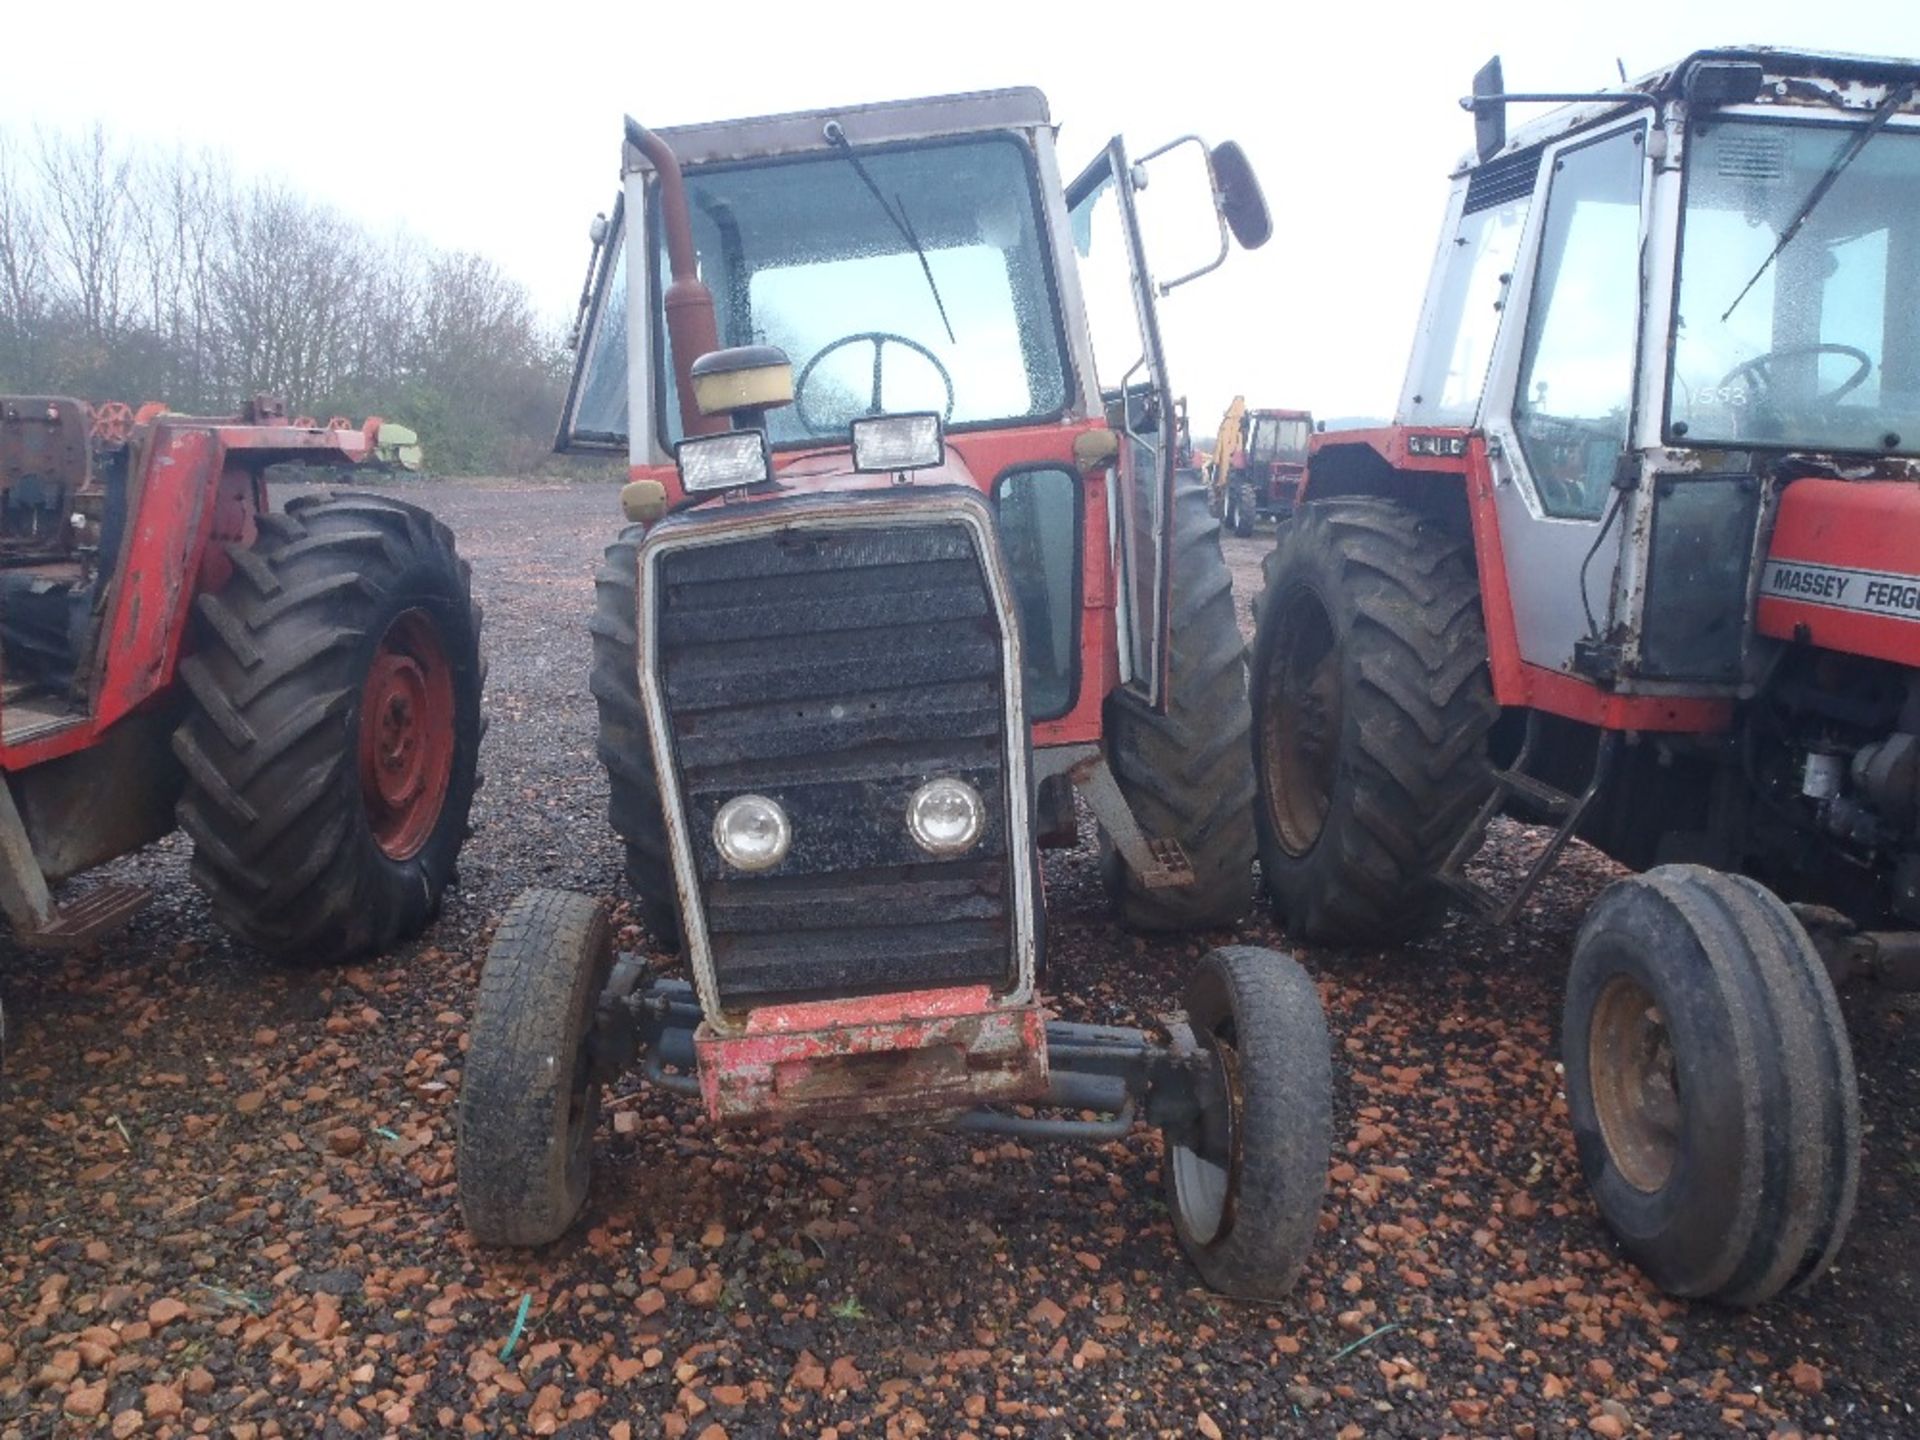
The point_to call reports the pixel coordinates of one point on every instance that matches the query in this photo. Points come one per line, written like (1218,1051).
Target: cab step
(1511,783)
(77,923)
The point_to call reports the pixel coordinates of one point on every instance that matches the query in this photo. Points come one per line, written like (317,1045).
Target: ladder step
(102,908)
(1555,801)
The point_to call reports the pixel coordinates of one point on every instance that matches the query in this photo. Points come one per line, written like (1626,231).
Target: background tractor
(1258,459)
(1640,560)
(875,623)
(298,691)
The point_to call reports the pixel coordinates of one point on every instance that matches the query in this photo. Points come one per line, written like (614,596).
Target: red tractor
(875,623)
(1640,560)
(298,691)
(1258,460)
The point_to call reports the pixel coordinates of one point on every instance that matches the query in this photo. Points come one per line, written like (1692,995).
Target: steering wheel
(879,339)
(1760,367)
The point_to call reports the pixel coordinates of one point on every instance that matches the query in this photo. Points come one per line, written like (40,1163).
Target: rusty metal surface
(928,1050)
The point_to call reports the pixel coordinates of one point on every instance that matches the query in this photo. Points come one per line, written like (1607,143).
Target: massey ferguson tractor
(298,691)
(1258,459)
(908,570)
(1639,560)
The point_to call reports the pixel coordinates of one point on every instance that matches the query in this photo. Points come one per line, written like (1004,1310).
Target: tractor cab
(1657,308)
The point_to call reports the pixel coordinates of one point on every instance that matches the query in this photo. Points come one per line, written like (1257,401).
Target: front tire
(1246,1210)
(333,727)
(529,1097)
(1371,707)
(1186,774)
(1710,1085)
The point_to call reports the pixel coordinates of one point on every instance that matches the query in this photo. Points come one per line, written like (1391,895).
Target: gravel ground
(229,1204)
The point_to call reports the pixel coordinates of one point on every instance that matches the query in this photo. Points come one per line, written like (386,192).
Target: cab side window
(1574,402)
(1471,292)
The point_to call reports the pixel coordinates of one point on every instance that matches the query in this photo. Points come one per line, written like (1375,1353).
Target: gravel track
(228,1203)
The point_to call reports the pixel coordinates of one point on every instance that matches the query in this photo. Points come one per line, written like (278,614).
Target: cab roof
(803,130)
(1795,77)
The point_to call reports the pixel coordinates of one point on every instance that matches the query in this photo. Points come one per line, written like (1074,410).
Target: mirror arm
(1166,287)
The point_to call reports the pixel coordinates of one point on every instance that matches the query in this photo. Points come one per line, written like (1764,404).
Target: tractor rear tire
(1371,707)
(1187,774)
(634,803)
(333,728)
(1247,1215)
(1710,1085)
(529,1094)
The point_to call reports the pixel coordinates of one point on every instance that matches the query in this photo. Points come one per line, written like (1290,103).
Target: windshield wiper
(1875,124)
(837,138)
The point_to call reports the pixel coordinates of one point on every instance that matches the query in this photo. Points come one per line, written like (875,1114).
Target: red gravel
(229,1208)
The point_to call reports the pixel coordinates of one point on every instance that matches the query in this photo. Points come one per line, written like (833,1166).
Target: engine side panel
(1843,568)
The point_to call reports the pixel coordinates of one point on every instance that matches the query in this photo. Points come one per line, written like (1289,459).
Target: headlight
(720,462)
(946,816)
(897,442)
(751,833)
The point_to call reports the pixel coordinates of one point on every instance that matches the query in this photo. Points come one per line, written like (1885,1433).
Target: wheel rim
(1203,1178)
(1636,1086)
(406,735)
(1300,722)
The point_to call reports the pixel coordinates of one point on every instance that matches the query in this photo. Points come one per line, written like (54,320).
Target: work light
(898,442)
(723,461)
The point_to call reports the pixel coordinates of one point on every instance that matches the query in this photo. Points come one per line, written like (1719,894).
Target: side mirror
(1489,113)
(1237,190)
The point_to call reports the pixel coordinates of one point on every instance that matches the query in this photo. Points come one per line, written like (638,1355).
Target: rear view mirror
(1490,118)
(1237,193)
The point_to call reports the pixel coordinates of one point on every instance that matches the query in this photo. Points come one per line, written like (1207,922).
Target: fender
(1445,474)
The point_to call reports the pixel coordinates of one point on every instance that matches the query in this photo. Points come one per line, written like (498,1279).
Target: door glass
(1040,534)
(596,414)
(1126,347)
(1575,397)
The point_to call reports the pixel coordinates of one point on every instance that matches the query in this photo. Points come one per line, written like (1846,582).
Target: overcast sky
(496,127)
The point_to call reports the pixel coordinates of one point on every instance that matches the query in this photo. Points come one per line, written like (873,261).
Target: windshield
(1823,353)
(1275,439)
(802,254)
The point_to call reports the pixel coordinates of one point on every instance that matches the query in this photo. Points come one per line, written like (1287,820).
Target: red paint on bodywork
(190,481)
(924,1050)
(1867,525)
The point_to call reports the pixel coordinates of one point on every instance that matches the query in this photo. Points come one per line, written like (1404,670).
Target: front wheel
(1710,1085)
(1246,1186)
(333,727)
(529,1094)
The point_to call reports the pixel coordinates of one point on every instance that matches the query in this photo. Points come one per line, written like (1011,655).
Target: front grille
(836,669)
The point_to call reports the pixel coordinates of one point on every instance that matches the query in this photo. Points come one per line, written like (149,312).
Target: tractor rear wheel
(1186,774)
(634,806)
(1371,707)
(1710,1085)
(333,727)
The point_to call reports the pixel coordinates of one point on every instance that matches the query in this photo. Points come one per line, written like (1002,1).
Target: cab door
(1131,367)
(1559,406)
